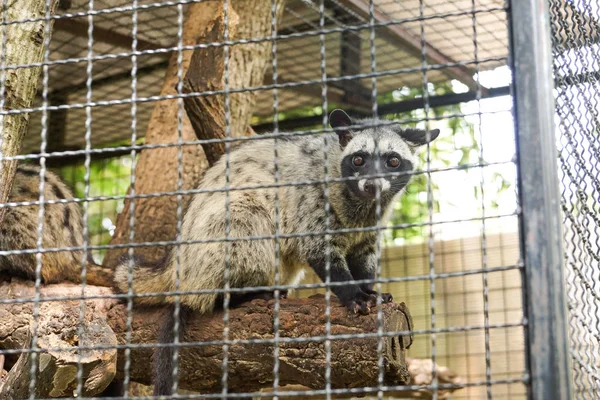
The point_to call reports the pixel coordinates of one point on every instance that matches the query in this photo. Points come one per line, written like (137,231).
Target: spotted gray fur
(302,209)
(62,228)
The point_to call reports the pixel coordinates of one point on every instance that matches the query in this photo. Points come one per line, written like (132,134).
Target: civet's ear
(338,119)
(418,137)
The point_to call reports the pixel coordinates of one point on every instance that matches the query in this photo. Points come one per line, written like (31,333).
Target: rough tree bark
(156,171)
(354,361)
(248,62)
(207,113)
(58,327)
(24,45)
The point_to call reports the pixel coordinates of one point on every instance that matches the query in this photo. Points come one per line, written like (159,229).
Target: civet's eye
(358,161)
(393,162)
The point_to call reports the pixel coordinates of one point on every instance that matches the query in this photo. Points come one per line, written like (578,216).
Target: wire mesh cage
(182,207)
(575,53)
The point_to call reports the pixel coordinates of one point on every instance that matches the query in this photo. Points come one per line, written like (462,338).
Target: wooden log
(421,373)
(15,385)
(250,367)
(354,361)
(24,46)
(207,113)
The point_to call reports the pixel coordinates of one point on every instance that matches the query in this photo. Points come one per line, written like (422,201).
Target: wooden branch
(207,113)
(155,218)
(15,385)
(24,46)
(249,61)
(354,361)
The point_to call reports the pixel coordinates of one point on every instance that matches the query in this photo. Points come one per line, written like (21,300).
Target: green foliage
(413,206)
(107,178)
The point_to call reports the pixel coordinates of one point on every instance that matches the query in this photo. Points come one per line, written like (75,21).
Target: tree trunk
(156,171)
(24,45)
(248,62)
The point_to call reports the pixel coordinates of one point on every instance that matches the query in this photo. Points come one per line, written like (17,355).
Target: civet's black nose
(370,187)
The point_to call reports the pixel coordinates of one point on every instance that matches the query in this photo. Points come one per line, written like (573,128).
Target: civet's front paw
(361,303)
(385,297)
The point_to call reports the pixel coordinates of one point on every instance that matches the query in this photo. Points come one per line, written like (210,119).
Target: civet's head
(377,150)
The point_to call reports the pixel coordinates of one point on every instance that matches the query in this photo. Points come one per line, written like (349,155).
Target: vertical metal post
(541,233)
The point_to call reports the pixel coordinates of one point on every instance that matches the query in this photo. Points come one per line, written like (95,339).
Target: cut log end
(58,326)
(398,319)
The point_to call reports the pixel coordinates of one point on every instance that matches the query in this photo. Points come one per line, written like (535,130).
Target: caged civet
(356,154)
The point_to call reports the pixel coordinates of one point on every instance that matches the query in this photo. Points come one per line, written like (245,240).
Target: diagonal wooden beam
(114,38)
(100,34)
(397,34)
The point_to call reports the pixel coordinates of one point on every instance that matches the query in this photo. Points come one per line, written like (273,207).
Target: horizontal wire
(293,35)
(258,186)
(329,79)
(524,379)
(249,289)
(253,238)
(242,139)
(280,340)
(184,2)
(103,11)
